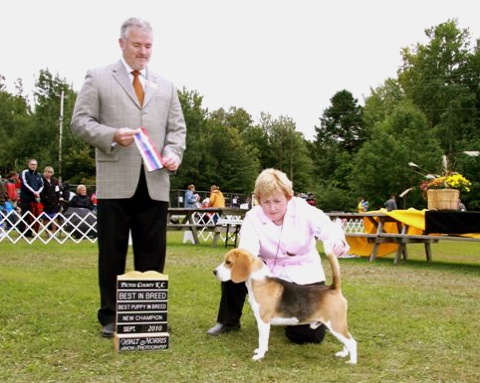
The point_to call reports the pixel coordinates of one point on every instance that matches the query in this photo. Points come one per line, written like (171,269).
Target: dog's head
(237,266)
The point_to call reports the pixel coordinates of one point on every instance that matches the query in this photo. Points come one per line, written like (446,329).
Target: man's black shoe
(108,330)
(221,328)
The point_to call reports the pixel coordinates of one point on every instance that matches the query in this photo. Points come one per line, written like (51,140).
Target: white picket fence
(77,228)
(350,225)
(15,227)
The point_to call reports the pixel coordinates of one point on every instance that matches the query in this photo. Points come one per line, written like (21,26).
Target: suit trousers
(146,220)
(231,306)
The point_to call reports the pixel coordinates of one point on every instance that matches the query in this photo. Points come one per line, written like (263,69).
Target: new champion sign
(150,154)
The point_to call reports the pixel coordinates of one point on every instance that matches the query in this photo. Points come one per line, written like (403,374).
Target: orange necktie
(137,85)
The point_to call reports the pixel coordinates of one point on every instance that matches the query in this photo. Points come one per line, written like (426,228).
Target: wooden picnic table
(381,232)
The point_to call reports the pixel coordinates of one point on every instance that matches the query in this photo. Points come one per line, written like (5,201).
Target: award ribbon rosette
(148,151)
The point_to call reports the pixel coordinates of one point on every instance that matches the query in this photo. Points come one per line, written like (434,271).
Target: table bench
(201,220)
(404,239)
(353,226)
(223,226)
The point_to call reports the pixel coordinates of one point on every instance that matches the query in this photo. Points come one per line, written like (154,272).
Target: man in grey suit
(108,113)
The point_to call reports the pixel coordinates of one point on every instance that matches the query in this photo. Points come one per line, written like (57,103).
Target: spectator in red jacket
(13,184)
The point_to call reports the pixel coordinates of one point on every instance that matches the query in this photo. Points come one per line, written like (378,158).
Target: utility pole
(60,137)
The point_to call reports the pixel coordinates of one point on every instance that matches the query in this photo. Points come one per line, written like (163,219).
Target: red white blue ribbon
(148,151)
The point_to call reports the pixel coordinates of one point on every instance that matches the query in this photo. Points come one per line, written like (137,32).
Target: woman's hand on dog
(336,247)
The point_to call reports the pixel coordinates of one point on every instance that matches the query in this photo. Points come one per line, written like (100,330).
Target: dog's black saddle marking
(300,301)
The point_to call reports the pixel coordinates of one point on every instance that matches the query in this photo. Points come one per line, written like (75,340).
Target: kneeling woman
(282,230)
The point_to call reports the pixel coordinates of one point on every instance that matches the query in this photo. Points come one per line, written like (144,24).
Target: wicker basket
(443,199)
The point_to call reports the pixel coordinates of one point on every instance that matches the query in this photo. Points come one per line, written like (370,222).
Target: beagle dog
(278,302)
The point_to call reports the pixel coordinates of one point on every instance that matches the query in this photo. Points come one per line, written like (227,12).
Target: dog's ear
(242,265)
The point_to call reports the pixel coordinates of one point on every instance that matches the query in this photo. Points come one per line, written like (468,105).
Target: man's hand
(170,163)
(125,136)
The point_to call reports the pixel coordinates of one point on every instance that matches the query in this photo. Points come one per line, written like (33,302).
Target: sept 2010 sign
(141,317)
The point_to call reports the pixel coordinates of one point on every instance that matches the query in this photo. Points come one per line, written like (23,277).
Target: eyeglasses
(32,164)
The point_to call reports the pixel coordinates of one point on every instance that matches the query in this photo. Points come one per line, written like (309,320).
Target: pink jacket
(290,251)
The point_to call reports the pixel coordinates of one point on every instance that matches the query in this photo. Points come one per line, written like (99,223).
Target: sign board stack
(141,318)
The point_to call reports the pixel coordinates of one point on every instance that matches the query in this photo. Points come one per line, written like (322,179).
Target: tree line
(430,109)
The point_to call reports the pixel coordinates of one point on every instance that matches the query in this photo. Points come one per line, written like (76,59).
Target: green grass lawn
(414,322)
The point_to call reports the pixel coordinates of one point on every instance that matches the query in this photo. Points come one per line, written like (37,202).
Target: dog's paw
(352,351)
(258,354)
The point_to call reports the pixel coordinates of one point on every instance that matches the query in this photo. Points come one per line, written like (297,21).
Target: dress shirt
(143,73)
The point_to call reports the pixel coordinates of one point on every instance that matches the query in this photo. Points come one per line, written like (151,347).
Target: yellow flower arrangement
(452,180)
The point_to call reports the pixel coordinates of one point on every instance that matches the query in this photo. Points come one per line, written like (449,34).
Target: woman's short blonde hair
(270,181)
(48,169)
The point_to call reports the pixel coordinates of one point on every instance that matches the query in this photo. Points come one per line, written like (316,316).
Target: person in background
(311,199)
(205,217)
(3,198)
(362,206)
(190,200)
(198,204)
(13,184)
(205,203)
(216,199)
(51,198)
(30,205)
(235,202)
(82,199)
(12,189)
(93,198)
(391,203)
(114,102)
(283,231)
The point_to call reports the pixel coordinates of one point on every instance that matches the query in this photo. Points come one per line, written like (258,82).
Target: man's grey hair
(134,22)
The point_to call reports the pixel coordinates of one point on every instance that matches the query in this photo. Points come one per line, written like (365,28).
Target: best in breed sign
(141,318)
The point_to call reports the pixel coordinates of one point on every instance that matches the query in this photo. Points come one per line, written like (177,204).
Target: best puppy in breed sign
(141,318)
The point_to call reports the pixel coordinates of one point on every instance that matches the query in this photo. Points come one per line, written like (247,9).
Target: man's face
(32,165)
(137,48)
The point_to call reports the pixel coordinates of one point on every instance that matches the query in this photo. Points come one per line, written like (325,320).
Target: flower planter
(443,199)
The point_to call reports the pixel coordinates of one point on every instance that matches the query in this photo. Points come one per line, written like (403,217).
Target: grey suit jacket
(107,102)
